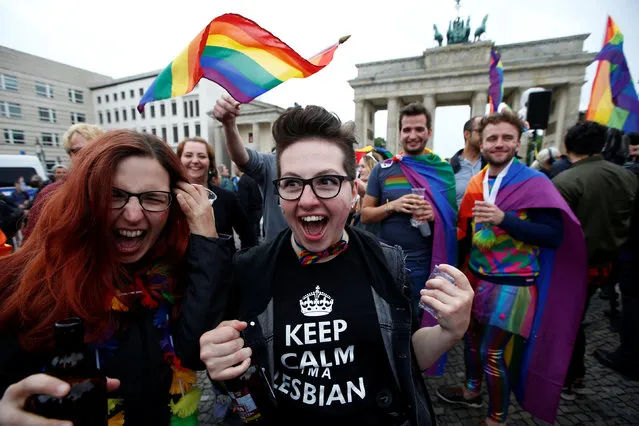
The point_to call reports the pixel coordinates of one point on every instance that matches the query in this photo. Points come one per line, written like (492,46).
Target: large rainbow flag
(496,73)
(538,365)
(429,171)
(613,100)
(239,55)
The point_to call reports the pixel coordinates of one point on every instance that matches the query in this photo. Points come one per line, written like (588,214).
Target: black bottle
(86,402)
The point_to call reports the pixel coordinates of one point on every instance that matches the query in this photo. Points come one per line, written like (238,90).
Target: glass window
(186,111)
(44,89)
(197,107)
(10,110)
(191,108)
(197,129)
(124,115)
(76,96)
(49,139)
(117,116)
(153,130)
(100,117)
(152,111)
(8,82)
(175,133)
(164,133)
(186,130)
(122,95)
(108,116)
(47,114)
(106,98)
(99,99)
(141,91)
(132,93)
(115,97)
(14,136)
(133,114)
(162,110)
(174,108)
(78,117)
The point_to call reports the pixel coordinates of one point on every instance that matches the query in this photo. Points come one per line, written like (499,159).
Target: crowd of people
(328,298)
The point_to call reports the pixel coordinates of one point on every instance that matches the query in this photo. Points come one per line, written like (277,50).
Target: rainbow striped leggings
(484,353)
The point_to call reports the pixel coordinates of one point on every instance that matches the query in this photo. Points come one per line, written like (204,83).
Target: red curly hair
(70,263)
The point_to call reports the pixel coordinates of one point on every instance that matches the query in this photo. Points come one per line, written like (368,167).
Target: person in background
(21,196)
(364,168)
(250,198)
(198,158)
(258,165)
(545,160)
(73,140)
(225,178)
(139,260)
(467,162)
(60,173)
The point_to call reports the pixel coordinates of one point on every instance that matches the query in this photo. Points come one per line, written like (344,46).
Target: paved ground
(610,399)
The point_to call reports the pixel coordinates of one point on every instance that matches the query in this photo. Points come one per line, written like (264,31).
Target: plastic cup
(436,273)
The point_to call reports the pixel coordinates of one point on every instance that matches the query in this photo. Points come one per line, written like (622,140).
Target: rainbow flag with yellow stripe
(613,100)
(239,55)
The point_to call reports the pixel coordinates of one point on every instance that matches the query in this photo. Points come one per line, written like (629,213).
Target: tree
(380,142)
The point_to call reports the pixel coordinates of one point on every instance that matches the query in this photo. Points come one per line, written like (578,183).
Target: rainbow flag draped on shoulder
(613,100)
(429,171)
(538,365)
(496,74)
(239,55)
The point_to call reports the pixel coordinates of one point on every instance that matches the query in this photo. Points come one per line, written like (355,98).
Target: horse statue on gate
(438,36)
(481,29)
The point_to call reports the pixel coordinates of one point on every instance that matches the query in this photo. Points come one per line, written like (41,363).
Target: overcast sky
(120,38)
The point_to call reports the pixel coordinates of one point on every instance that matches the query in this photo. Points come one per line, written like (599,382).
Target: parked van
(12,167)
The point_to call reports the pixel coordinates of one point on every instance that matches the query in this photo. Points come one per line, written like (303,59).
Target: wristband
(386,208)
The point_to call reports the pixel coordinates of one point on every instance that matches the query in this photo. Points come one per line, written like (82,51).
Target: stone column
(478,103)
(219,144)
(515,99)
(392,129)
(431,105)
(360,128)
(366,112)
(255,129)
(561,106)
(573,96)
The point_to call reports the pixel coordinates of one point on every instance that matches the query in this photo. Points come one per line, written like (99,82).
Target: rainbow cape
(239,55)
(429,171)
(496,73)
(613,100)
(538,365)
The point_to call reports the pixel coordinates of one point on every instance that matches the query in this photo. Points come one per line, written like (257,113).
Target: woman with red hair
(132,249)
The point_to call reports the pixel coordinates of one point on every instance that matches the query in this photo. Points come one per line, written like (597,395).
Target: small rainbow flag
(239,55)
(496,89)
(613,100)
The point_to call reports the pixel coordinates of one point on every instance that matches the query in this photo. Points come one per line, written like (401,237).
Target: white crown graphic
(316,304)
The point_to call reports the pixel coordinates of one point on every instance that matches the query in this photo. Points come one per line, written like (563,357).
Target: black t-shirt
(330,361)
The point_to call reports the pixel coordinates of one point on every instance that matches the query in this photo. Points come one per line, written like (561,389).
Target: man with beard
(467,162)
(389,202)
(525,258)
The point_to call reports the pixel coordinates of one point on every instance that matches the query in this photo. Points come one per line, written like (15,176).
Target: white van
(12,167)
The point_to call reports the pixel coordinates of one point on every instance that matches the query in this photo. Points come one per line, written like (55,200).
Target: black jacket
(455,164)
(250,197)
(138,362)
(230,216)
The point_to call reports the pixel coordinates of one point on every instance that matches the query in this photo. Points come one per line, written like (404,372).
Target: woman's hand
(453,303)
(12,403)
(194,202)
(222,350)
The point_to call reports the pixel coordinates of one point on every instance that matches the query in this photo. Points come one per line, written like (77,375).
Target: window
(100,117)
(191,108)
(152,111)
(106,98)
(124,115)
(99,99)
(132,94)
(108,116)
(10,109)
(197,129)
(142,115)
(132,114)
(175,133)
(49,139)
(153,131)
(116,113)
(186,110)
(122,95)
(197,107)
(8,82)
(141,91)
(162,110)
(164,133)
(14,136)
(78,117)
(49,164)
(46,114)
(186,130)
(115,97)
(174,108)
(44,89)
(250,137)
(76,96)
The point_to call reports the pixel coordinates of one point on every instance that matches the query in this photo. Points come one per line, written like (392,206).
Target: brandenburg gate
(457,74)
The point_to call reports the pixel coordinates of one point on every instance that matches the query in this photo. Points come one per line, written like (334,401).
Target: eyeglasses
(151,201)
(324,186)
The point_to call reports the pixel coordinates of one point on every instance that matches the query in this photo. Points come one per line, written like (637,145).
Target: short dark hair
(415,108)
(468,126)
(633,138)
(501,117)
(586,138)
(313,121)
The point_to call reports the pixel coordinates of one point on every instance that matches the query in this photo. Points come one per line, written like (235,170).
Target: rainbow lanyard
(307,257)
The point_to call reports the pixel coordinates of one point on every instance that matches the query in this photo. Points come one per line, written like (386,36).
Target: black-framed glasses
(151,201)
(323,186)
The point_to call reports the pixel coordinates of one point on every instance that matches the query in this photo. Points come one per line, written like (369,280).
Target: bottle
(86,402)
(253,396)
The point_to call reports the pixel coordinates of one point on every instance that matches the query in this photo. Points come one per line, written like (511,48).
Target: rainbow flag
(613,100)
(496,73)
(538,365)
(359,153)
(239,55)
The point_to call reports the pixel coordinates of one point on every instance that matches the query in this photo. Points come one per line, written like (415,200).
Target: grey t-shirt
(263,169)
(466,171)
